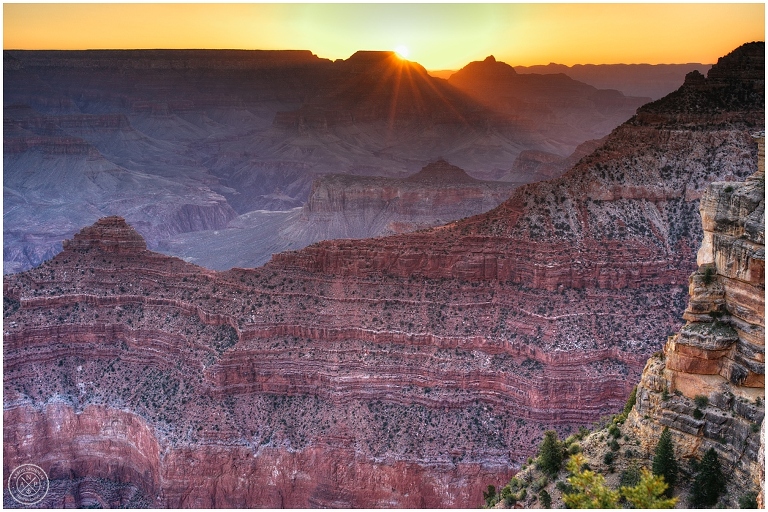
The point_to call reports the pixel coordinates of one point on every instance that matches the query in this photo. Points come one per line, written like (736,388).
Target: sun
(402,51)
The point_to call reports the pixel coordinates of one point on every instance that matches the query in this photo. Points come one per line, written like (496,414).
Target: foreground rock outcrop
(708,385)
(404,371)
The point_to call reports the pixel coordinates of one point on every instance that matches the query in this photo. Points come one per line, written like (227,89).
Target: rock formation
(342,206)
(559,105)
(708,385)
(542,166)
(345,206)
(403,371)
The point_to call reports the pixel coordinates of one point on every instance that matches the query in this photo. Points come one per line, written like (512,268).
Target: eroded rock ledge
(708,385)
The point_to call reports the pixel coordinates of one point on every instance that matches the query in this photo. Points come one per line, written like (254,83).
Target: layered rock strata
(360,207)
(708,384)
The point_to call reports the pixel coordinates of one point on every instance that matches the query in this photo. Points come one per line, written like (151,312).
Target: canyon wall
(708,384)
(342,206)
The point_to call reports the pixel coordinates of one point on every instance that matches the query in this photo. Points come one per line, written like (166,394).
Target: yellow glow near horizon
(402,51)
(438,36)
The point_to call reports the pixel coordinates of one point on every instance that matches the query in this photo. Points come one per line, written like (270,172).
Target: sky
(438,36)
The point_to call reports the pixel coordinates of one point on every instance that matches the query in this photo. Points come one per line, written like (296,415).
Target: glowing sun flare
(402,51)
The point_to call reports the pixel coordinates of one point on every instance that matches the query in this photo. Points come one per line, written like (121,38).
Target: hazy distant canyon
(215,156)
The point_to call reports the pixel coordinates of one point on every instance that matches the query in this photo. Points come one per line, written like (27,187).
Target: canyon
(345,206)
(400,371)
(187,143)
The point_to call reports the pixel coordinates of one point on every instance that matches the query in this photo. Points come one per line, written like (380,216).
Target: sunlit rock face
(708,385)
(403,371)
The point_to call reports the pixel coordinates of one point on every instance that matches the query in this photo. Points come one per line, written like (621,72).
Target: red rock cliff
(708,385)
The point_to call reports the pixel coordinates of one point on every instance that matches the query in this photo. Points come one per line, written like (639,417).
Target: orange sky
(439,36)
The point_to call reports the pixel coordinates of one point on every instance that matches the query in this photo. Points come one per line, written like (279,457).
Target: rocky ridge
(655,81)
(561,106)
(345,206)
(359,207)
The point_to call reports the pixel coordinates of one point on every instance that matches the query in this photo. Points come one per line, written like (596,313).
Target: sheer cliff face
(720,352)
(404,371)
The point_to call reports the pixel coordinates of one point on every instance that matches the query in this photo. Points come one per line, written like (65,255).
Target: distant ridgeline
(186,144)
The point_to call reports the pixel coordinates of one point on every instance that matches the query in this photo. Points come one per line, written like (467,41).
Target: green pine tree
(550,453)
(664,462)
(545,499)
(589,487)
(709,482)
(630,402)
(490,496)
(648,493)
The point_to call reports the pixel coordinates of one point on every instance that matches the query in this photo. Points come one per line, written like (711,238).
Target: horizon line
(341,59)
